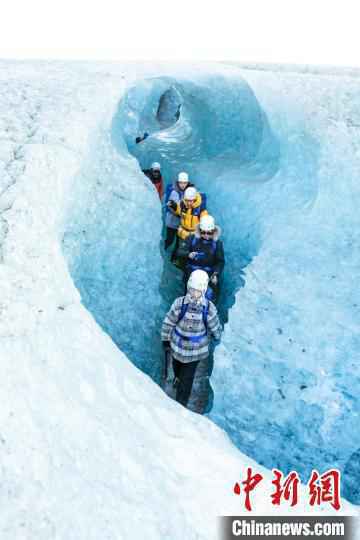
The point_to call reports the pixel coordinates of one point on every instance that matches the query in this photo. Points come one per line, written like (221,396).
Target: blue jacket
(210,253)
(171,220)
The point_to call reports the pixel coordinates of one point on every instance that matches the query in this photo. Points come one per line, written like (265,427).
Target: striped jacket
(192,324)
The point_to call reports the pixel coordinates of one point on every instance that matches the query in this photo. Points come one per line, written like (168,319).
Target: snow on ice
(90,445)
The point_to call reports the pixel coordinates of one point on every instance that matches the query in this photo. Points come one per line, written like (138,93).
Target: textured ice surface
(222,138)
(287,375)
(112,244)
(90,446)
(278,155)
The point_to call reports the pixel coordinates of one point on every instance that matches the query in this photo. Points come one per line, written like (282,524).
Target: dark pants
(185,373)
(170,236)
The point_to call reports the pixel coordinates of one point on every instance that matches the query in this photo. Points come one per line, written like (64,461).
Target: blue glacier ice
(278,155)
(113,262)
(87,435)
(220,131)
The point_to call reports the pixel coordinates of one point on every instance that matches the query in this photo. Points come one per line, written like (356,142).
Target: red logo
(322,489)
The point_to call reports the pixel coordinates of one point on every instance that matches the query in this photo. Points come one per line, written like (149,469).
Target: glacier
(87,435)
(280,171)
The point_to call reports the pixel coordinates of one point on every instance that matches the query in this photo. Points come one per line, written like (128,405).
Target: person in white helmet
(174,192)
(205,251)
(154,174)
(186,332)
(190,210)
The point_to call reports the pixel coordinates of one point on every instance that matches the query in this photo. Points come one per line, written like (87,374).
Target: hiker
(206,252)
(186,333)
(141,139)
(190,209)
(154,174)
(174,192)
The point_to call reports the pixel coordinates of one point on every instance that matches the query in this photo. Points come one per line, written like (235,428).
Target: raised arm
(174,207)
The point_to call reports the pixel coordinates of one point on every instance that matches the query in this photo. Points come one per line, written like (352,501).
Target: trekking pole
(166,364)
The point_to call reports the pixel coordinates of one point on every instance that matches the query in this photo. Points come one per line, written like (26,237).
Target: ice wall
(112,244)
(286,377)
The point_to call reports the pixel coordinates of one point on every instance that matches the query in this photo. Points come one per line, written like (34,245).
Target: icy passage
(215,129)
(84,433)
(277,155)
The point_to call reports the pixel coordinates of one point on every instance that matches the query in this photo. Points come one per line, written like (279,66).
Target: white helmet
(190,193)
(183,177)
(198,280)
(155,166)
(207,223)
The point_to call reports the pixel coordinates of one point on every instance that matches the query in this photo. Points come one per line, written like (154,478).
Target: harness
(168,190)
(205,312)
(196,211)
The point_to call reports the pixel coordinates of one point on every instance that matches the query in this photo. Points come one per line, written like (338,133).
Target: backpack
(203,201)
(205,312)
(168,191)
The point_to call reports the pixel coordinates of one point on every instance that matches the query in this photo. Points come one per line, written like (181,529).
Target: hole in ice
(169,109)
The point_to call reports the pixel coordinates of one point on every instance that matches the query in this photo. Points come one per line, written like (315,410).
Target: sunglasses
(194,292)
(206,233)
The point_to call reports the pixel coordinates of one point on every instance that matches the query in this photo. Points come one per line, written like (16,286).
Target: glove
(192,255)
(145,135)
(166,345)
(214,279)
(172,205)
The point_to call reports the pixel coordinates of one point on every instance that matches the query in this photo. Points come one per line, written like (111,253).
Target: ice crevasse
(84,431)
(278,156)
